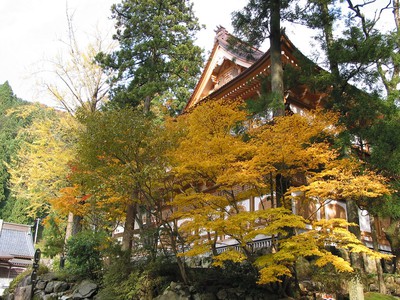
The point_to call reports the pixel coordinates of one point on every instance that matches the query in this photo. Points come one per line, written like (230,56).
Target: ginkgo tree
(225,157)
(42,164)
(40,169)
(74,80)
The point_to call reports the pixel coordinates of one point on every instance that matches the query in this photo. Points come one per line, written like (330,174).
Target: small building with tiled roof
(16,251)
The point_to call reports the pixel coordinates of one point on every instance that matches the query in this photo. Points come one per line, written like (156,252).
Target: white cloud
(31,30)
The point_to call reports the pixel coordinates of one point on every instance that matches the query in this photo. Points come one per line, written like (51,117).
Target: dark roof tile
(16,243)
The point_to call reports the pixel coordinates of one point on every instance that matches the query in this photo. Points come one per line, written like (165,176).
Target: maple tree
(118,162)
(124,173)
(224,157)
(210,156)
(314,243)
(302,145)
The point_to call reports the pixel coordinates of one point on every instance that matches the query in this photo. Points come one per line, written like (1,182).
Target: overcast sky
(32,30)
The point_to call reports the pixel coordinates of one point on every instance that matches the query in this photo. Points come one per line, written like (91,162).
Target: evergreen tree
(361,54)
(384,136)
(8,99)
(157,61)
(354,47)
(9,126)
(258,21)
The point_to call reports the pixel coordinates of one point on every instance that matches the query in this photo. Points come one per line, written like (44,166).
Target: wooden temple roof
(253,66)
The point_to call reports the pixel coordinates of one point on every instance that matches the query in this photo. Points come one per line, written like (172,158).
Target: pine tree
(258,21)
(157,62)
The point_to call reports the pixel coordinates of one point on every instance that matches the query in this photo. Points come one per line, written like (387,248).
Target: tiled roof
(237,47)
(16,242)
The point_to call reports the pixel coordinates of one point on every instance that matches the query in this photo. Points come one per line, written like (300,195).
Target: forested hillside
(10,124)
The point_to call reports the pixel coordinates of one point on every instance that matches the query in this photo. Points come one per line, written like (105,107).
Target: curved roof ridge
(235,46)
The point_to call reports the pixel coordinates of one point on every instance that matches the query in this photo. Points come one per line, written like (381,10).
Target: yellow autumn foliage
(315,243)
(232,255)
(42,164)
(220,160)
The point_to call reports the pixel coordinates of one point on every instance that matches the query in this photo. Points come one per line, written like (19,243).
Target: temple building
(238,73)
(16,251)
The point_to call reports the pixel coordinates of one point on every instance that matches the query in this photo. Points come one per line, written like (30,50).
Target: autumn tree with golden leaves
(225,157)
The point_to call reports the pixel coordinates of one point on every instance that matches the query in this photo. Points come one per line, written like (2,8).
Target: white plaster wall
(4,283)
(365,224)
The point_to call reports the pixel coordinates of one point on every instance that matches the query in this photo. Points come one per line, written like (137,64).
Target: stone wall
(49,287)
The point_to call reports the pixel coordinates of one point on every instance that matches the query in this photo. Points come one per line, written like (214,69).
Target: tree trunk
(127,237)
(355,285)
(379,271)
(356,291)
(148,232)
(276,61)
(352,217)
(179,260)
(271,188)
(175,237)
(328,34)
(330,51)
(282,185)
(73,225)
(393,236)
(146,105)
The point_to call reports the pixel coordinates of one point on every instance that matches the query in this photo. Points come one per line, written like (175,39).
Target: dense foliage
(85,252)
(10,123)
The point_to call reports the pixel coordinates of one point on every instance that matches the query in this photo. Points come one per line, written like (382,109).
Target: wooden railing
(253,246)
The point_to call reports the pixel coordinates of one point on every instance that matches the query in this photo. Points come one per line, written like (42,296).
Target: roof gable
(247,83)
(224,63)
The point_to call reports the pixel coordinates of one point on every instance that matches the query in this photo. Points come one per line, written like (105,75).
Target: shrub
(140,279)
(377,296)
(53,237)
(85,254)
